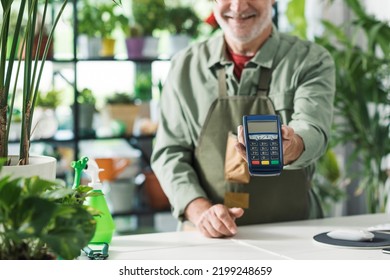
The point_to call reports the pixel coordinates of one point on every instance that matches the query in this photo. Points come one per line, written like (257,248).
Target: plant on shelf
(86,96)
(22,39)
(183,25)
(42,219)
(86,101)
(362,98)
(120,98)
(150,14)
(134,40)
(50,99)
(98,22)
(123,107)
(143,86)
(183,20)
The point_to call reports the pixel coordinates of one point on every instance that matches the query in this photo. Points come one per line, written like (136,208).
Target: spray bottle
(105,225)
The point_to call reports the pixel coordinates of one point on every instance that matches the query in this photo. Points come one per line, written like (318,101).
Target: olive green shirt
(302,91)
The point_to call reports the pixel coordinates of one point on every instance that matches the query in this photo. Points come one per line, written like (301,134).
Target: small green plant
(133,30)
(88,14)
(183,20)
(106,16)
(50,99)
(86,97)
(42,219)
(143,86)
(120,98)
(150,14)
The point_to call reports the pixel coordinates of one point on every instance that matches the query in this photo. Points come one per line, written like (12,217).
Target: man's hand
(213,220)
(293,145)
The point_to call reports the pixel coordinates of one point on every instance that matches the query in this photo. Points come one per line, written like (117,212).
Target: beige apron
(271,199)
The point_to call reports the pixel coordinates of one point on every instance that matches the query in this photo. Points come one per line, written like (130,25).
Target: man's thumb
(236,212)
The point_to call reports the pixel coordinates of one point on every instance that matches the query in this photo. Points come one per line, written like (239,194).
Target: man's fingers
(240,134)
(236,212)
(218,221)
(240,145)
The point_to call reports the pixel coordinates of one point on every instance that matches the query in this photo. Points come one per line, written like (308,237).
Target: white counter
(276,241)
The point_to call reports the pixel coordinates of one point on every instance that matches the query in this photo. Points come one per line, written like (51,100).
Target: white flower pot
(177,43)
(42,166)
(150,49)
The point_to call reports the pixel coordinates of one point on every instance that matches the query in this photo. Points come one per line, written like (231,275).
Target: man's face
(243,20)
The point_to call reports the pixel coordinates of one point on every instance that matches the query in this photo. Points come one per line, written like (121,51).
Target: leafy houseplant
(183,20)
(120,98)
(362,96)
(143,86)
(149,14)
(41,219)
(86,102)
(50,99)
(22,39)
(122,107)
(183,25)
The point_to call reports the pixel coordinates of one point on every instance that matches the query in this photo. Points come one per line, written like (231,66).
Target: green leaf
(34,215)
(71,234)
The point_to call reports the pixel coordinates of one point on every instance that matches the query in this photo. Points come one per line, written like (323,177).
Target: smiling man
(249,69)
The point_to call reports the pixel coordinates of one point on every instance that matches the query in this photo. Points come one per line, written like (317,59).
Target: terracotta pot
(112,167)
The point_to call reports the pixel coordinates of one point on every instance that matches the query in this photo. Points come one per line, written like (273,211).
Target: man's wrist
(298,148)
(195,209)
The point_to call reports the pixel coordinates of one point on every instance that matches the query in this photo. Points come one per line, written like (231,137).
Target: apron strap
(264,81)
(222,89)
(263,86)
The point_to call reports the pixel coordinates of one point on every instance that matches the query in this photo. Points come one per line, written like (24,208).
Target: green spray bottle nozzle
(78,166)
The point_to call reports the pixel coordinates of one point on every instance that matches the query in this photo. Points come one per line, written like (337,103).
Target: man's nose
(238,5)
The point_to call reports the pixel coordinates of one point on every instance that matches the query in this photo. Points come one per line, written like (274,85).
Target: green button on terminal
(274,162)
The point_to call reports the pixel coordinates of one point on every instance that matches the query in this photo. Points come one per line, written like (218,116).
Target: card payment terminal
(263,141)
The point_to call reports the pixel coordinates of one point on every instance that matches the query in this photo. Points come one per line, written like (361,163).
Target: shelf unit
(73,138)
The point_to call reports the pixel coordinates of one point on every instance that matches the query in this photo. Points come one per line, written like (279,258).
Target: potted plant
(143,86)
(10,66)
(183,25)
(89,40)
(45,123)
(122,107)
(86,104)
(150,15)
(43,220)
(111,18)
(362,98)
(97,23)
(134,41)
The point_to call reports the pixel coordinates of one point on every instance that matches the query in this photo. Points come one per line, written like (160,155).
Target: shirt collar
(263,57)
